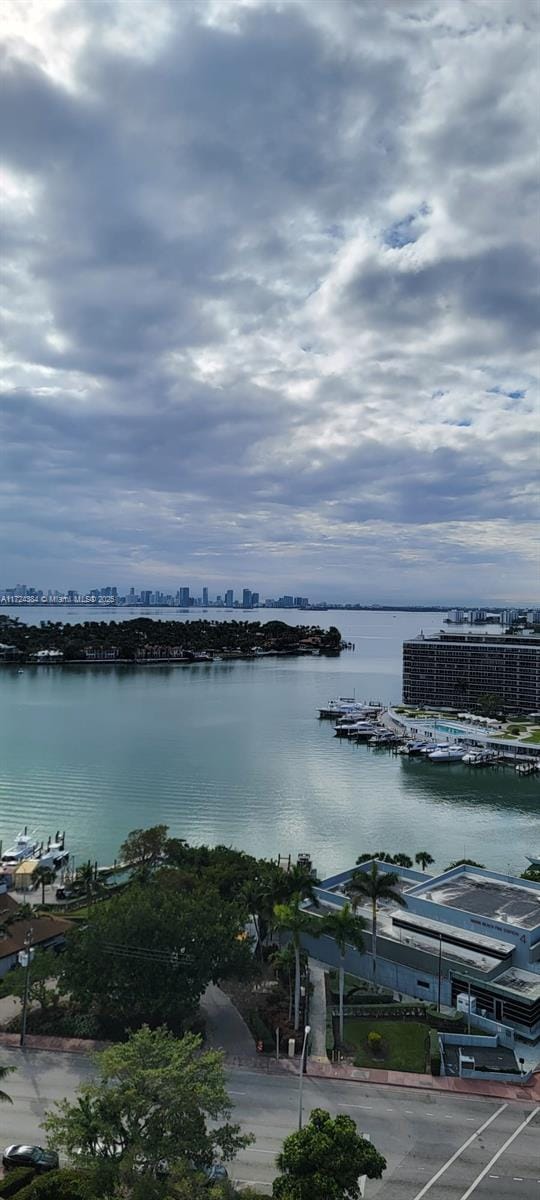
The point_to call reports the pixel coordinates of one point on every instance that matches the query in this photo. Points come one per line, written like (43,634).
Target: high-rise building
(247,598)
(183,597)
(229,598)
(205,597)
(458,669)
(254,599)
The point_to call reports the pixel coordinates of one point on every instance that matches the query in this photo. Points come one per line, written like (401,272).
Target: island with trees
(145,641)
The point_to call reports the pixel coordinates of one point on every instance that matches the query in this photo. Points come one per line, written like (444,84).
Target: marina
(234,754)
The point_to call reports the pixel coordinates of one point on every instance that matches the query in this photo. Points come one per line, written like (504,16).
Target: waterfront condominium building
(456,669)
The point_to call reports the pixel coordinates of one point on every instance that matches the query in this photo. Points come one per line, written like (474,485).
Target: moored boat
(25,846)
(447,754)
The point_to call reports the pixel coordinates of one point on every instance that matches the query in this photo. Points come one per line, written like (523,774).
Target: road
(438,1146)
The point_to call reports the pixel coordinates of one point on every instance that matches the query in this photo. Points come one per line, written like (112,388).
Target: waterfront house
(46,931)
(101,653)
(9,653)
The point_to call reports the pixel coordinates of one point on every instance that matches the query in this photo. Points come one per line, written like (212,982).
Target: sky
(270,276)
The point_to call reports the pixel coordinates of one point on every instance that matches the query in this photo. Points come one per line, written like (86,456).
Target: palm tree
(423,859)
(282,962)
(375,886)
(346,930)
(293,919)
(300,882)
(45,876)
(4,1098)
(403,860)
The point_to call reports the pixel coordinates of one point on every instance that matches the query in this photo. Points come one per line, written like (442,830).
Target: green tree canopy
(147,955)
(150,1108)
(44,970)
(324,1161)
(4,1072)
(464,862)
(145,847)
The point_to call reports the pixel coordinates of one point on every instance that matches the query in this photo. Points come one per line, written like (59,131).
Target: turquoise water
(234,753)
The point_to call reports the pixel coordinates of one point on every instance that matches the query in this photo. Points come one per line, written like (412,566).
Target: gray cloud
(271,289)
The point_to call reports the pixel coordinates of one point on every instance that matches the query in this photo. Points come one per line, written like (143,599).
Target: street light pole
(440,971)
(25,959)
(307,1032)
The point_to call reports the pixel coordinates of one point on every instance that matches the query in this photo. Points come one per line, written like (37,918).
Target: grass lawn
(404,1044)
(534,737)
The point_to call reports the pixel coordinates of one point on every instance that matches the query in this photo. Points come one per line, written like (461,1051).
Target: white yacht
(447,754)
(54,855)
(25,845)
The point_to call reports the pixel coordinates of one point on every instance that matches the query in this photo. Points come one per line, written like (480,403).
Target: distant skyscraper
(205,597)
(229,598)
(254,599)
(247,598)
(183,597)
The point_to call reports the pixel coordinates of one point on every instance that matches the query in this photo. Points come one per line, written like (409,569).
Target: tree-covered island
(144,640)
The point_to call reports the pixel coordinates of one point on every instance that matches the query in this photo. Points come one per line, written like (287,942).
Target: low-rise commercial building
(466,931)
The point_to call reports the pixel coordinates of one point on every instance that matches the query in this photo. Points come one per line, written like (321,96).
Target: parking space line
(496,1156)
(451,1160)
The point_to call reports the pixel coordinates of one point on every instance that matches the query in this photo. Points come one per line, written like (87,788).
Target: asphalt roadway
(440,1146)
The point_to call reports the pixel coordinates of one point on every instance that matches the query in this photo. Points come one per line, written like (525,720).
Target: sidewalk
(317,1069)
(225,1029)
(317,1012)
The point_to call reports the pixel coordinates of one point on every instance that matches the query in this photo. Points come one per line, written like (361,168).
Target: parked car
(30,1156)
(217,1173)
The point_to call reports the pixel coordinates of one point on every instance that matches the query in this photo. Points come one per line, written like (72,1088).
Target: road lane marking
(231,1093)
(359,1106)
(496,1156)
(451,1160)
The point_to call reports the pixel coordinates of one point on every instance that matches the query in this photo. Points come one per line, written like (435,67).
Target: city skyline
(236,597)
(273,303)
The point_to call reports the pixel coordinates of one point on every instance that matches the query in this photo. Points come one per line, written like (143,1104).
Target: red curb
(34,1041)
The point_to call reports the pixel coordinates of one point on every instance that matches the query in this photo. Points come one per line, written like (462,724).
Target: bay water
(234,753)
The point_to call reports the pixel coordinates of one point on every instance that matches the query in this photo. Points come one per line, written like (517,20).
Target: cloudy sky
(271,296)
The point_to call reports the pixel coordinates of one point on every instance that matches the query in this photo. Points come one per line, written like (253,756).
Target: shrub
(434,1052)
(261,1032)
(374,1042)
(65,1184)
(15,1181)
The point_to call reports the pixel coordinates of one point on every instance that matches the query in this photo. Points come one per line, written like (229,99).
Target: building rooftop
(486,1058)
(525,983)
(487,897)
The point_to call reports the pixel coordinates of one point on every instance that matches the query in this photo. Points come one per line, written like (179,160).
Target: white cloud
(273,301)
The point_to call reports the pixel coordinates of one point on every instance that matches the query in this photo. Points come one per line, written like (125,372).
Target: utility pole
(25,958)
(469,1007)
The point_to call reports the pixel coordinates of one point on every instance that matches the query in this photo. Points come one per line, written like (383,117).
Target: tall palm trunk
(341,991)
(374,935)
(297,985)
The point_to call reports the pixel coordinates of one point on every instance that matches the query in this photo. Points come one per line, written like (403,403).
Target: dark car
(30,1156)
